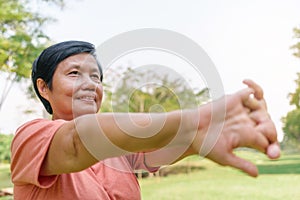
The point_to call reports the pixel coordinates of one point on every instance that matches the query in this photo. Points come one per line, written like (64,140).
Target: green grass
(278,179)
(5,176)
(5,179)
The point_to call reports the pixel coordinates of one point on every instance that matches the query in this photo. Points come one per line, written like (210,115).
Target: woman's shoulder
(39,123)
(38,127)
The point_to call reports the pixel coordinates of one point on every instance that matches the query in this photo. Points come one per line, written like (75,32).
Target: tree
(291,122)
(296,46)
(21,39)
(143,90)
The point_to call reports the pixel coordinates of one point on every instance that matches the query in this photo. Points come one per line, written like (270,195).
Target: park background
(244,39)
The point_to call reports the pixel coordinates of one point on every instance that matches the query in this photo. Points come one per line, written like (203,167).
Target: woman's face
(76,87)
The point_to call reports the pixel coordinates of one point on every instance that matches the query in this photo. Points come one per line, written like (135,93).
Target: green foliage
(295,96)
(291,129)
(149,91)
(5,141)
(292,125)
(21,39)
(296,46)
(291,122)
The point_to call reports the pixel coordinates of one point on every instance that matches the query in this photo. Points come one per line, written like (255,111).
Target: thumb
(244,165)
(273,150)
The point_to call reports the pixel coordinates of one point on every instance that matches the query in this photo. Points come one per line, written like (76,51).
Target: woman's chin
(85,110)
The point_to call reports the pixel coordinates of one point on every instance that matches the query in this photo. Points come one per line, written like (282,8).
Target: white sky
(245,39)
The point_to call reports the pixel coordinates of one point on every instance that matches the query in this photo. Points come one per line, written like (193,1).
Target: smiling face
(76,87)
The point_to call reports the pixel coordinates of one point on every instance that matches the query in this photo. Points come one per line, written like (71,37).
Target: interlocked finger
(259,94)
(258,91)
(268,129)
(249,136)
(259,116)
(252,103)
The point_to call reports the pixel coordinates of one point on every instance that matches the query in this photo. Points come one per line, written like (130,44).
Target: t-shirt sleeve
(28,150)
(137,162)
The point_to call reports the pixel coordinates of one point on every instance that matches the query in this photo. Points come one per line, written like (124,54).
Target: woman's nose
(88,83)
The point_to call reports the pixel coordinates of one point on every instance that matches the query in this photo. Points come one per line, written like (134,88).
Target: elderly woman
(83,154)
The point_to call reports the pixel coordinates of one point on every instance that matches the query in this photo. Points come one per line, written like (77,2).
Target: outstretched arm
(84,141)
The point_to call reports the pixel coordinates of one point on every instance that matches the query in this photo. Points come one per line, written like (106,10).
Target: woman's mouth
(88,98)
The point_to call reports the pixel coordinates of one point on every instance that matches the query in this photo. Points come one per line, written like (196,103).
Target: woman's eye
(74,73)
(95,77)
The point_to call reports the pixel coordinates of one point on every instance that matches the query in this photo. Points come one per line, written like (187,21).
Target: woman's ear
(43,88)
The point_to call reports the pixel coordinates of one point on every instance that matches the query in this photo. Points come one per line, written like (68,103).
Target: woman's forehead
(83,61)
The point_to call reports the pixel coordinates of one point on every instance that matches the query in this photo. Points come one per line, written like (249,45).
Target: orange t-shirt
(111,178)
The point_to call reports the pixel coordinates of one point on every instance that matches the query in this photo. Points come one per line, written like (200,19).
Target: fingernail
(273,151)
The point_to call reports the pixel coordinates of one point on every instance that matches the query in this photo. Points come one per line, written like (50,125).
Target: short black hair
(46,63)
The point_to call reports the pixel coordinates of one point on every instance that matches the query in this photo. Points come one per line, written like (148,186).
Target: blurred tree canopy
(21,39)
(144,90)
(291,122)
(296,46)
